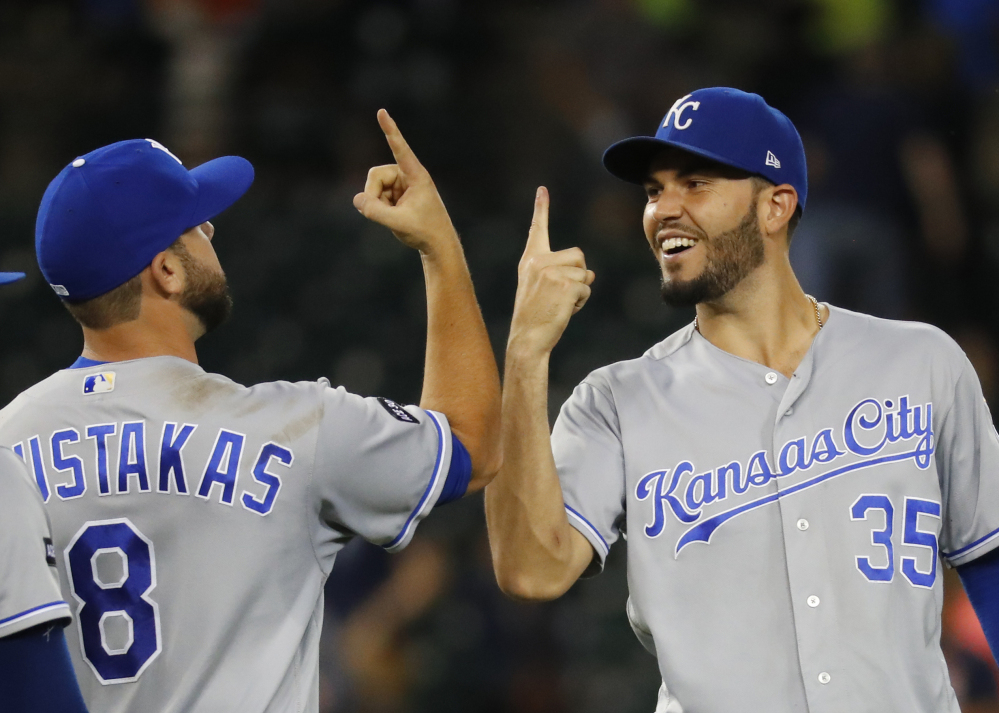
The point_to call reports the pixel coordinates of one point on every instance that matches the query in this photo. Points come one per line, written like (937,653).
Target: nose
(208,229)
(669,206)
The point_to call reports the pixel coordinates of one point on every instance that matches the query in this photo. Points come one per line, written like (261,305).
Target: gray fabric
(29,587)
(754,598)
(238,593)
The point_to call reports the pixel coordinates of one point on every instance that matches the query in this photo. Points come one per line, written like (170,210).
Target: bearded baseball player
(195,519)
(789,475)
(35,670)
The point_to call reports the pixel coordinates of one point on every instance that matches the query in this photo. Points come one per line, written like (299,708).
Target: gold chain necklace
(815,304)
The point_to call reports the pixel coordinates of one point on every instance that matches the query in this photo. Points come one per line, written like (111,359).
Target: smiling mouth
(675,246)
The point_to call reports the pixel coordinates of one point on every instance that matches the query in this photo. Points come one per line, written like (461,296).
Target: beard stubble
(731,256)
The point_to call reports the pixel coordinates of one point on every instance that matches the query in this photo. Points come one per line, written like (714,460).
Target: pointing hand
(403,197)
(551,286)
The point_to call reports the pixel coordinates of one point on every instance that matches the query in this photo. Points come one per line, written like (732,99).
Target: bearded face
(730,256)
(206,292)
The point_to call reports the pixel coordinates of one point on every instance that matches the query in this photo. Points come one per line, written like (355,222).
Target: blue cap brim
(630,159)
(221,182)
(7,277)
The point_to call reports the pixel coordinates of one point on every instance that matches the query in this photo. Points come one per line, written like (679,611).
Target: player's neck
(160,330)
(767,319)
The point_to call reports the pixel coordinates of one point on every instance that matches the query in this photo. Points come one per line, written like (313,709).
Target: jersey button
(771,377)
(802,524)
(789,411)
(824,677)
(813,601)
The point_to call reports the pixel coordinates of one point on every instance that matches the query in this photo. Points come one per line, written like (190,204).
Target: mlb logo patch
(99,383)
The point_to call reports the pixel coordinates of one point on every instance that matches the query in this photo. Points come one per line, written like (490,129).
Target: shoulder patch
(397,411)
(98,383)
(49,551)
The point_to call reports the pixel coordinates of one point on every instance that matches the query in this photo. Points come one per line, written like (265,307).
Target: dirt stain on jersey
(203,393)
(300,426)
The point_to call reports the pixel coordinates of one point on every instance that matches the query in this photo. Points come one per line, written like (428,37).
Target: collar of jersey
(82,363)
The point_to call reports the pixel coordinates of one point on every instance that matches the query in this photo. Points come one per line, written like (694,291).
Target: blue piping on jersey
(35,610)
(430,487)
(976,543)
(82,363)
(703,531)
(590,527)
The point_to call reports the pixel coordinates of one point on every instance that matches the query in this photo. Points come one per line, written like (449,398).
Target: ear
(166,274)
(777,205)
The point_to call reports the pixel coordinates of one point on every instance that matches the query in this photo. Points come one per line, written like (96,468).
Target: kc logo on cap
(677,111)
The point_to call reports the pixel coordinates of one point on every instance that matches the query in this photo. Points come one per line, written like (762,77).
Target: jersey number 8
(112,570)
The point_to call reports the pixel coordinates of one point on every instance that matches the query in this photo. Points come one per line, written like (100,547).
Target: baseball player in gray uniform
(791,477)
(35,670)
(195,519)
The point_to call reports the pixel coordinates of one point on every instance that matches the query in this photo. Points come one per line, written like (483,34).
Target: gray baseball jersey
(196,520)
(784,535)
(29,585)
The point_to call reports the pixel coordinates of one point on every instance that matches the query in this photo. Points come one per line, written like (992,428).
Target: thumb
(373,209)
(537,237)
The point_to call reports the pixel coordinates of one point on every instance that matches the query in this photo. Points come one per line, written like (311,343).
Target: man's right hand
(551,287)
(403,197)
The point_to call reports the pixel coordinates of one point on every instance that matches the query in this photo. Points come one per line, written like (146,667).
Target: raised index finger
(404,155)
(537,238)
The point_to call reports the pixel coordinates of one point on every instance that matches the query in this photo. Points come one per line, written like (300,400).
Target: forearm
(536,553)
(460,377)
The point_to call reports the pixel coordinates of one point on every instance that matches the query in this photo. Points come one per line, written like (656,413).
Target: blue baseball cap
(7,277)
(732,127)
(106,215)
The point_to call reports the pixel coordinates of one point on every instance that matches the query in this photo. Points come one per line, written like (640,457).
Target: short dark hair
(117,306)
(122,304)
(759,183)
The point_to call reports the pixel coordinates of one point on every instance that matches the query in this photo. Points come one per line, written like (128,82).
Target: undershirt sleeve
(36,673)
(981,583)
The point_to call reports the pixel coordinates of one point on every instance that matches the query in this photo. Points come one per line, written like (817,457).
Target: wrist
(440,243)
(522,352)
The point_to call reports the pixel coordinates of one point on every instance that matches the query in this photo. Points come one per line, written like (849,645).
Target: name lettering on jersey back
(869,429)
(114,459)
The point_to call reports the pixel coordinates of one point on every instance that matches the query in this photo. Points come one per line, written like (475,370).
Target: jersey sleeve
(29,582)
(586,442)
(380,467)
(967,455)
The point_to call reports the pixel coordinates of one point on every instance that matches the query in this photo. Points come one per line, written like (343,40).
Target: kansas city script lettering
(869,428)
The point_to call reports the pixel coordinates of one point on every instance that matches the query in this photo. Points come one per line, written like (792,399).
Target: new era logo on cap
(772,160)
(98,383)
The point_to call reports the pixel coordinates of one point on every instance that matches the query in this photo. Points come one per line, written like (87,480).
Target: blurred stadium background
(898,102)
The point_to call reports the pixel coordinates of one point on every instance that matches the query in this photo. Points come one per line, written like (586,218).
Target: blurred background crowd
(898,105)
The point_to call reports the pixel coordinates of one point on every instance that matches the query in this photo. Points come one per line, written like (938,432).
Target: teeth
(671,243)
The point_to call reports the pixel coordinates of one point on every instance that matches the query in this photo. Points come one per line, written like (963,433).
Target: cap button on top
(79,162)
(771,377)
